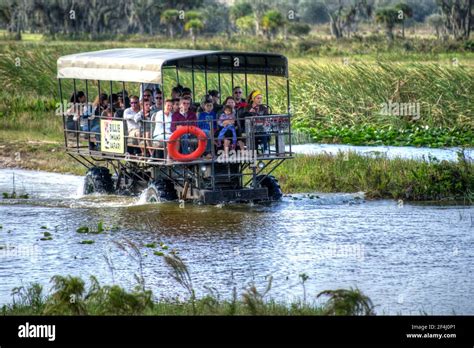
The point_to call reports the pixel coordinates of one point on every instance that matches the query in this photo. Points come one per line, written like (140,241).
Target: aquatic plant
(347,302)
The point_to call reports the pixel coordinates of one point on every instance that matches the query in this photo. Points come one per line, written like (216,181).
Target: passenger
(100,103)
(256,107)
(239,101)
(147,95)
(215,95)
(129,114)
(227,130)
(176,92)
(207,120)
(184,117)
(175,105)
(187,93)
(143,119)
(230,101)
(115,101)
(162,130)
(123,104)
(158,101)
(75,111)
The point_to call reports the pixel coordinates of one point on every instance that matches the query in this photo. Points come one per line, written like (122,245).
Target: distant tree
(240,9)
(389,17)
(436,22)
(259,7)
(194,26)
(458,17)
(299,29)
(313,12)
(271,22)
(170,19)
(404,12)
(246,25)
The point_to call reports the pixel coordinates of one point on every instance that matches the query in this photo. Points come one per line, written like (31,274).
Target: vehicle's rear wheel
(272,185)
(161,191)
(98,179)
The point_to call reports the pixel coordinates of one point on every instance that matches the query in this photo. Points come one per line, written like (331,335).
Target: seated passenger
(227,129)
(230,101)
(129,114)
(215,95)
(256,107)
(176,92)
(187,93)
(239,101)
(158,101)
(123,104)
(143,119)
(147,96)
(175,105)
(184,117)
(207,119)
(162,130)
(76,109)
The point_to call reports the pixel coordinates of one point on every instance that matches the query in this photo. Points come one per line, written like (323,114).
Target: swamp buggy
(119,163)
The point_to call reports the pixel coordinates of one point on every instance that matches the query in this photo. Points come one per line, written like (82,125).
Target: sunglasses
(238,92)
(133,102)
(159,97)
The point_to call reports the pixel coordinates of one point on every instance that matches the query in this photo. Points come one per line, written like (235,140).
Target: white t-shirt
(131,116)
(162,130)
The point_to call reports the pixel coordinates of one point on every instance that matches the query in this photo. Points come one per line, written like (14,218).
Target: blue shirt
(205,119)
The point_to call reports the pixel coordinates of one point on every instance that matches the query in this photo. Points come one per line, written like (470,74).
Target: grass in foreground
(70,297)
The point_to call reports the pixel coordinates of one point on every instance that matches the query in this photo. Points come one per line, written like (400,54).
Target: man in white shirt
(130,115)
(162,130)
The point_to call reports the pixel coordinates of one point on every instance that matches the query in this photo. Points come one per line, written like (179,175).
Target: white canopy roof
(145,64)
(122,64)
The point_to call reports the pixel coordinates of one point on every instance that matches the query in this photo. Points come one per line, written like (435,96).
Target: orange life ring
(173,143)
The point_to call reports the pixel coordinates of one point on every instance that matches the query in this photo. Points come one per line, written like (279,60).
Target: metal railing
(257,138)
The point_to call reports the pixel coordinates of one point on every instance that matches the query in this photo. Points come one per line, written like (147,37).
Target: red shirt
(178,119)
(241,104)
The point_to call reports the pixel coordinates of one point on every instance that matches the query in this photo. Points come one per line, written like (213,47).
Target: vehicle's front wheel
(160,191)
(272,185)
(98,180)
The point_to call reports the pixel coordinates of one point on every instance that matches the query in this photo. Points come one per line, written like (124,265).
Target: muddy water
(408,258)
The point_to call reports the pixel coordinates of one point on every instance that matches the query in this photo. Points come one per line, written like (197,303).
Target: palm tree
(194,26)
(406,12)
(170,18)
(389,17)
(271,21)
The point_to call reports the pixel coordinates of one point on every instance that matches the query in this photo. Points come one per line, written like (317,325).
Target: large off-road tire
(272,185)
(98,180)
(161,191)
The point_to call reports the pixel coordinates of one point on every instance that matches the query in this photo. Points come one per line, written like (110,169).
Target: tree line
(96,19)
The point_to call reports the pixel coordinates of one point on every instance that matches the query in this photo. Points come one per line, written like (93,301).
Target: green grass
(69,296)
